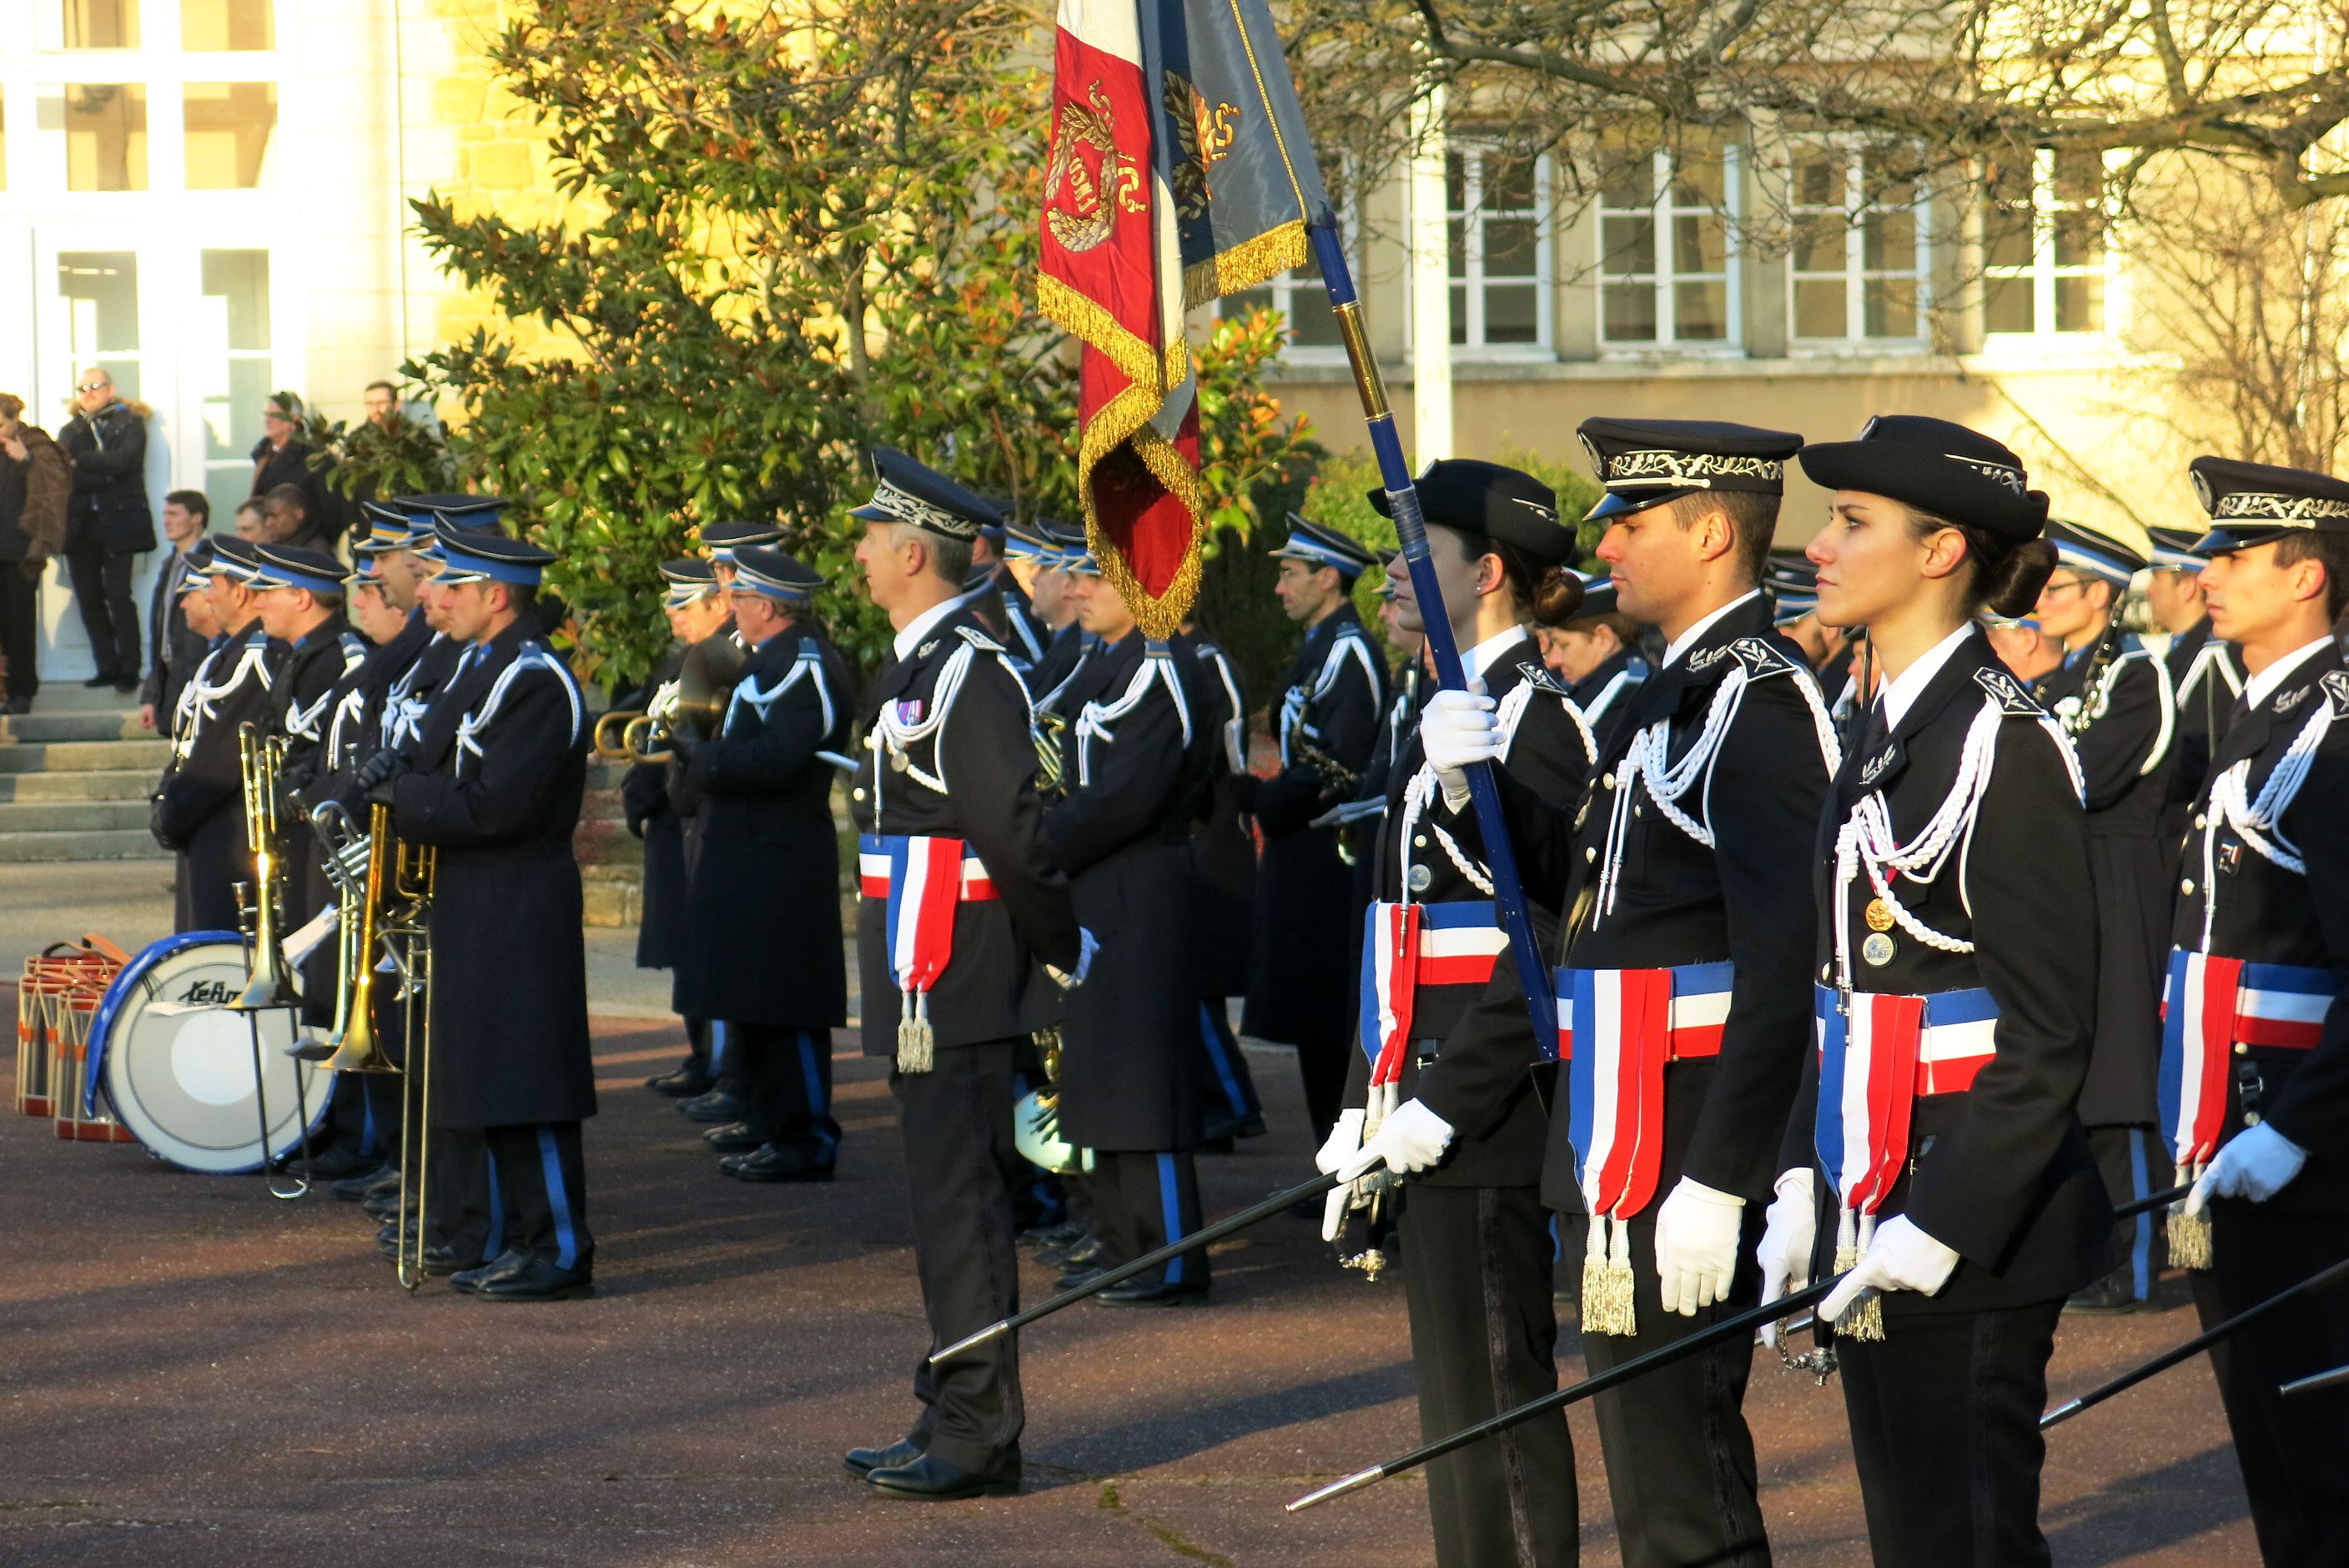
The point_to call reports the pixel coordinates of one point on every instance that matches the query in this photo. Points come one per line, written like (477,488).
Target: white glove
(1696,1245)
(1344,1141)
(1901,1257)
(2256,1163)
(1457,729)
(1087,945)
(1412,1138)
(1790,1234)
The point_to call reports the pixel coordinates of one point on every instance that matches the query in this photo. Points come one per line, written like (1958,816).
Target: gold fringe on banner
(1245,265)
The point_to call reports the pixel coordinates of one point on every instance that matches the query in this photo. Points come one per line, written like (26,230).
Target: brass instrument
(357,864)
(695,701)
(1337,778)
(413,873)
(1051,731)
(269,980)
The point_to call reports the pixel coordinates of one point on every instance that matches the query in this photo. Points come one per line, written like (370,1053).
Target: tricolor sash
(1407,946)
(923,878)
(1873,1065)
(2209,1005)
(1618,1028)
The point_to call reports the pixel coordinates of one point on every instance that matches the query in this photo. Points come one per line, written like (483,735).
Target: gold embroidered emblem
(1095,195)
(1205,133)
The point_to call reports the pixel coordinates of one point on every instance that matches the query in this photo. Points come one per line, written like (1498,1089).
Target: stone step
(85,755)
(71,816)
(55,727)
(74,697)
(110,844)
(97,784)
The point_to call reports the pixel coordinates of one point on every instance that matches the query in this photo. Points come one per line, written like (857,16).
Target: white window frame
(1468,285)
(1855,274)
(1286,288)
(1662,211)
(2045,272)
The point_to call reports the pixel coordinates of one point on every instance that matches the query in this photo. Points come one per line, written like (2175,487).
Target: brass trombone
(269,976)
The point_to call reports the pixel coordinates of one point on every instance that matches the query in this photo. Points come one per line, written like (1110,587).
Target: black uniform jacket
(303,694)
(1397,729)
(1062,653)
(1333,699)
(174,650)
(1606,694)
(205,775)
(1477,1076)
(968,773)
(1679,902)
(762,904)
(412,690)
(654,817)
(1128,1073)
(1999,1171)
(347,727)
(2262,913)
(1029,634)
(1223,849)
(2206,676)
(500,763)
(2113,698)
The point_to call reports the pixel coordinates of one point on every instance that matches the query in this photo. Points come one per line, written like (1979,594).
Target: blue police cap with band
(772,575)
(1647,462)
(2173,548)
(1318,546)
(687,579)
(1028,541)
(2091,554)
(470,556)
(914,493)
(197,566)
(235,559)
(1794,585)
(723,539)
(294,566)
(2251,504)
(1067,541)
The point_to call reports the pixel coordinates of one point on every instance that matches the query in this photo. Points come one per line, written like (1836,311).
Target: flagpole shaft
(1411,534)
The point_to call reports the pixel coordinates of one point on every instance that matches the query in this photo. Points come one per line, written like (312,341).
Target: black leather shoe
(687,1080)
(1061,1254)
(716,1106)
(865,1461)
(2109,1297)
(1141,1293)
(465,1281)
(103,678)
(336,1164)
(734,1138)
(382,1208)
(126,686)
(384,1183)
(1086,1252)
(772,1164)
(1076,1277)
(1059,1235)
(932,1480)
(439,1262)
(537,1279)
(355,1188)
(1229,1126)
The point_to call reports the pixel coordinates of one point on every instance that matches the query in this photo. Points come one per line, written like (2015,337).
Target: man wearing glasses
(108,522)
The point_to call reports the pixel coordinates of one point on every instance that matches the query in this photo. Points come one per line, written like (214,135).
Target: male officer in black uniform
(1223,895)
(766,879)
(962,909)
(697,609)
(721,540)
(2256,1062)
(1306,934)
(2113,698)
(199,807)
(1692,848)
(2206,676)
(1441,1084)
(1066,641)
(1132,760)
(492,785)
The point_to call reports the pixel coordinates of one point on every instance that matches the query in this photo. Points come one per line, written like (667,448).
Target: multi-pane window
(1860,261)
(106,136)
(229,359)
(209,26)
(1299,297)
(1497,261)
(2044,245)
(100,292)
(1667,259)
(228,130)
(100,24)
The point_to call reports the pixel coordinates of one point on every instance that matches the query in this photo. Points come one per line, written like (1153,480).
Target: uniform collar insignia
(1704,659)
(2007,693)
(2286,701)
(926,649)
(1878,766)
(1759,657)
(2336,691)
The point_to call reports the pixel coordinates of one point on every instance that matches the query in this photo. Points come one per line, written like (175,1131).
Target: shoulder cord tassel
(2189,1234)
(916,1042)
(1607,1279)
(1864,1318)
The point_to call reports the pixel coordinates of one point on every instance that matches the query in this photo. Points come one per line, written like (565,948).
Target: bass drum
(177,1064)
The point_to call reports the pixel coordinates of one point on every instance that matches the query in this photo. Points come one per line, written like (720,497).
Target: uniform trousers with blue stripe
(786,1078)
(539,1184)
(1231,1087)
(1143,1198)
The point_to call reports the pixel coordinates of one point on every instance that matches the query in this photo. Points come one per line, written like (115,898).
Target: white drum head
(178,1066)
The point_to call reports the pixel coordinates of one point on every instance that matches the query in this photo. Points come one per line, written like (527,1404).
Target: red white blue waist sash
(1874,1063)
(1408,945)
(923,878)
(2212,1004)
(1618,1028)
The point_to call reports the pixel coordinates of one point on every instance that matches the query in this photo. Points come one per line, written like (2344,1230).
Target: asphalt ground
(195,1374)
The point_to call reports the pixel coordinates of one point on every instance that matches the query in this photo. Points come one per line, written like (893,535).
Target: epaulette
(979,639)
(2336,692)
(2007,693)
(1760,659)
(1544,678)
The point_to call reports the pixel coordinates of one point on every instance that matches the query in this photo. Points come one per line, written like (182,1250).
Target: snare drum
(178,1065)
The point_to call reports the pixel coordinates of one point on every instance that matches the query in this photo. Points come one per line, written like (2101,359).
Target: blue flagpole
(1411,532)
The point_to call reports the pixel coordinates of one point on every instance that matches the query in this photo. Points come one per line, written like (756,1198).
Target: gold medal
(1879,915)
(1877,949)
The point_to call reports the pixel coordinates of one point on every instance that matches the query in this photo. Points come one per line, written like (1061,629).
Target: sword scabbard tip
(992,1331)
(2060,1414)
(1354,1482)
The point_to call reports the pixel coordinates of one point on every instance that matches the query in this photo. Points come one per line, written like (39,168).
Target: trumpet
(696,700)
(1051,734)
(269,978)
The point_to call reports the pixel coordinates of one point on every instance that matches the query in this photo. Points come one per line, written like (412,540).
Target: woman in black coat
(1956,995)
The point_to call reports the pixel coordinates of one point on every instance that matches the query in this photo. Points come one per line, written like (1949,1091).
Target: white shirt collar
(1686,639)
(1486,654)
(920,627)
(2263,686)
(1902,690)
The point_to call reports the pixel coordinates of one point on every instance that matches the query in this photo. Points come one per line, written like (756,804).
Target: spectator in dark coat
(281,458)
(34,482)
(108,522)
(178,647)
(289,517)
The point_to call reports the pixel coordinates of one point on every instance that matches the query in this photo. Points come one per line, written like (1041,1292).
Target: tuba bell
(694,704)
